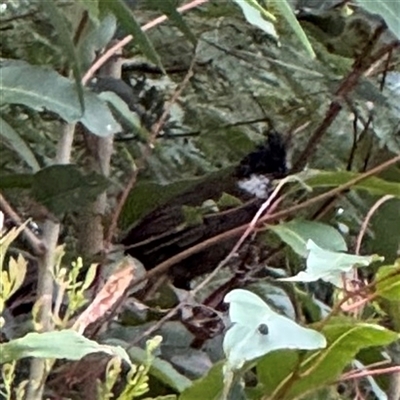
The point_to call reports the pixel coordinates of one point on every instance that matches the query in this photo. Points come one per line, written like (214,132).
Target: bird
(167,230)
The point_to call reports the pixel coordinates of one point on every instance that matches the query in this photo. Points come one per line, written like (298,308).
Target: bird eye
(263,329)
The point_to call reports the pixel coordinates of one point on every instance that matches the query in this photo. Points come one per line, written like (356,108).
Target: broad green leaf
(373,185)
(255,14)
(64,36)
(389,10)
(18,144)
(209,387)
(329,265)
(271,377)
(63,188)
(287,12)
(296,233)
(162,370)
(41,88)
(388,282)
(128,22)
(344,342)
(258,330)
(168,8)
(66,344)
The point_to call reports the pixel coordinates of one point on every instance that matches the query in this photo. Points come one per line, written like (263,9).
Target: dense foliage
(119,126)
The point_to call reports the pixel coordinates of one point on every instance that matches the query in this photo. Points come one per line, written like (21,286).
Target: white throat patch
(256,185)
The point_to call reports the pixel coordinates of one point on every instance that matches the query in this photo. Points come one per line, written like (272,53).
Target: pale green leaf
(66,344)
(296,233)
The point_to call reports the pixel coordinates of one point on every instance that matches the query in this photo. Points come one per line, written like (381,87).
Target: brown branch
(347,85)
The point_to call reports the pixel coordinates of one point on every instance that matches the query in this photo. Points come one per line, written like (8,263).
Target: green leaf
(162,370)
(287,12)
(389,10)
(126,19)
(388,282)
(168,8)
(18,144)
(344,342)
(270,377)
(63,188)
(66,344)
(296,233)
(329,265)
(255,14)
(209,387)
(41,88)
(64,36)
(258,330)
(373,185)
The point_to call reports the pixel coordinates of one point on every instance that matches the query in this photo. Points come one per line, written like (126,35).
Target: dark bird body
(165,231)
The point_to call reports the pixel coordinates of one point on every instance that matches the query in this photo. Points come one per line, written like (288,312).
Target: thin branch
(371,212)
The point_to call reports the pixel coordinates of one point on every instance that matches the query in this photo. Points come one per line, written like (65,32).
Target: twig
(36,244)
(363,374)
(370,213)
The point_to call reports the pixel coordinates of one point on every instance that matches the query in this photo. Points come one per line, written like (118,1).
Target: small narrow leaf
(18,145)
(388,282)
(255,15)
(288,14)
(129,23)
(161,369)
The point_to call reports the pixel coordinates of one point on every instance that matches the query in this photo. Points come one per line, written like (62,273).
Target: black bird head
(268,159)
(267,162)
